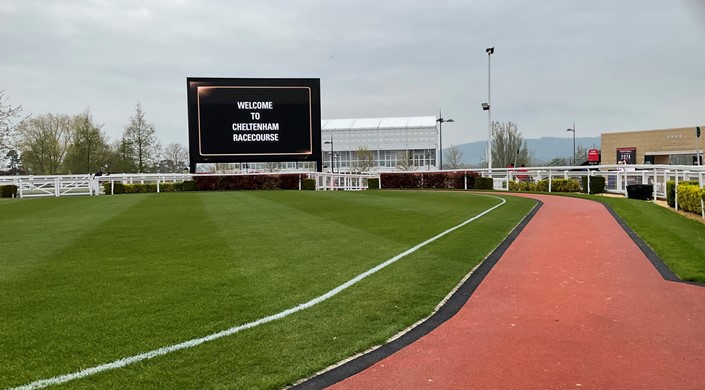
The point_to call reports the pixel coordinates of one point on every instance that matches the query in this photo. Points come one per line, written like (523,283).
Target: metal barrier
(340,181)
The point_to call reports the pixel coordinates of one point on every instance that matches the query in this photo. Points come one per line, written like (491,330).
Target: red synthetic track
(572,304)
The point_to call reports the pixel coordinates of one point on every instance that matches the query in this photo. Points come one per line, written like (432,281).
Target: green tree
(142,140)
(43,142)
(508,145)
(89,149)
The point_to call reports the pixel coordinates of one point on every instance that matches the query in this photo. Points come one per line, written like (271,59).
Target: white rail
(617,177)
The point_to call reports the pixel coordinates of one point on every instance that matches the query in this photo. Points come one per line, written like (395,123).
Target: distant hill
(544,149)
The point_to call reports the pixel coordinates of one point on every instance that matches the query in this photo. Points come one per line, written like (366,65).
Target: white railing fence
(617,178)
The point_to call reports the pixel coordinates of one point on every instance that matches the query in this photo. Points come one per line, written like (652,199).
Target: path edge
(445,312)
(658,263)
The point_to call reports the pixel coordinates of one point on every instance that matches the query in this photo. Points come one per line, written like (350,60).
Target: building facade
(379,144)
(666,146)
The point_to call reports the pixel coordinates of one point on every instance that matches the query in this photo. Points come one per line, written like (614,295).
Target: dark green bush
(189,185)
(8,191)
(484,183)
(373,183)
(597,184)
(308,185)
(117,188)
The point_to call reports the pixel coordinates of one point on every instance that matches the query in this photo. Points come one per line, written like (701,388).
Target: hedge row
(8,191)
(428,179)
(597,185)
(120,188)
(248,182)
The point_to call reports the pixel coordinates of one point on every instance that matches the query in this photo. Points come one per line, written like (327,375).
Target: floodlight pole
(490,51)
(332,168)
(440,121)
(575,160)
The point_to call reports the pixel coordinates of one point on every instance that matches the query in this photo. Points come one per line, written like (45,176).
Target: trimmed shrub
(671,190)
(8,191)
(597,184)
(522,186)
(484,183)
(373,183)
(248,182)
(308,184)
(689,196)
(117,188)
(188,185)
(428,179)
(558,185)
(167,187)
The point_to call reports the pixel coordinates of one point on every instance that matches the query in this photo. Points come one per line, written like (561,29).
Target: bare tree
(454,157)
(175,156)
(364,160)
(9,120)
(271,166)
(89,149)
(406,162)
(43,142)
(141,136)
(508,145)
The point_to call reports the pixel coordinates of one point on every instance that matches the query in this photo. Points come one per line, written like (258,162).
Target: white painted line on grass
(42,383)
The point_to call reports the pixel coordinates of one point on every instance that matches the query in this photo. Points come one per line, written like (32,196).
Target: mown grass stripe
(42,383)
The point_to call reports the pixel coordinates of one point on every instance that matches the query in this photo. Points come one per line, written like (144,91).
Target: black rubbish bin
(640,191)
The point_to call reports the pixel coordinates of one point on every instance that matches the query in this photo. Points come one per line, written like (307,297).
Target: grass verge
(678,240)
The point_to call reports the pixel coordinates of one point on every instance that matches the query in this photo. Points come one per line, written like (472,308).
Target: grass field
(88,280)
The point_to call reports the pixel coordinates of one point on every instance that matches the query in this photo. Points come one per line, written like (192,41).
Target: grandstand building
(379,144)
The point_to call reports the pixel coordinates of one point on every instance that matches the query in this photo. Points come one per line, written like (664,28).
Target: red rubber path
(572,304)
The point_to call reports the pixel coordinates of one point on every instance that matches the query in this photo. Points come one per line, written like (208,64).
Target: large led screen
(243,120)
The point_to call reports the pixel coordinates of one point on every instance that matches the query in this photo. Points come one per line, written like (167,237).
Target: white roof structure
(413,122)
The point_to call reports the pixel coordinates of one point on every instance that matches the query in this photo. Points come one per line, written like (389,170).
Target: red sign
(593,155)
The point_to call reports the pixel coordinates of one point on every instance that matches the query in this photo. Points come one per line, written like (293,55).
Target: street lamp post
(575,160)
(440,121)
(488,107)
(332,170)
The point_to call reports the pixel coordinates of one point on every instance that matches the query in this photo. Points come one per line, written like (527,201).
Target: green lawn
(88,280)
(679,241)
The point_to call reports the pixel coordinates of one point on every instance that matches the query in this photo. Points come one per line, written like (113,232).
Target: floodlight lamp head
(450,120)
(490,50)
(569,130)
(485,106)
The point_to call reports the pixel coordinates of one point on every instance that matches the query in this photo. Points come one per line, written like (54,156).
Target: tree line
(77,144)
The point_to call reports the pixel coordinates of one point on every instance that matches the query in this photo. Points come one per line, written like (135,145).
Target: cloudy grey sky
(607,65)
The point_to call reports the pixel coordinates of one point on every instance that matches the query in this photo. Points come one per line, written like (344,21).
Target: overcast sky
(608,65)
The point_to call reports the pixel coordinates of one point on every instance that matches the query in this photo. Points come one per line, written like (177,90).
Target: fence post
(588,181)
(675,190)
(56,186)
(158,184)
